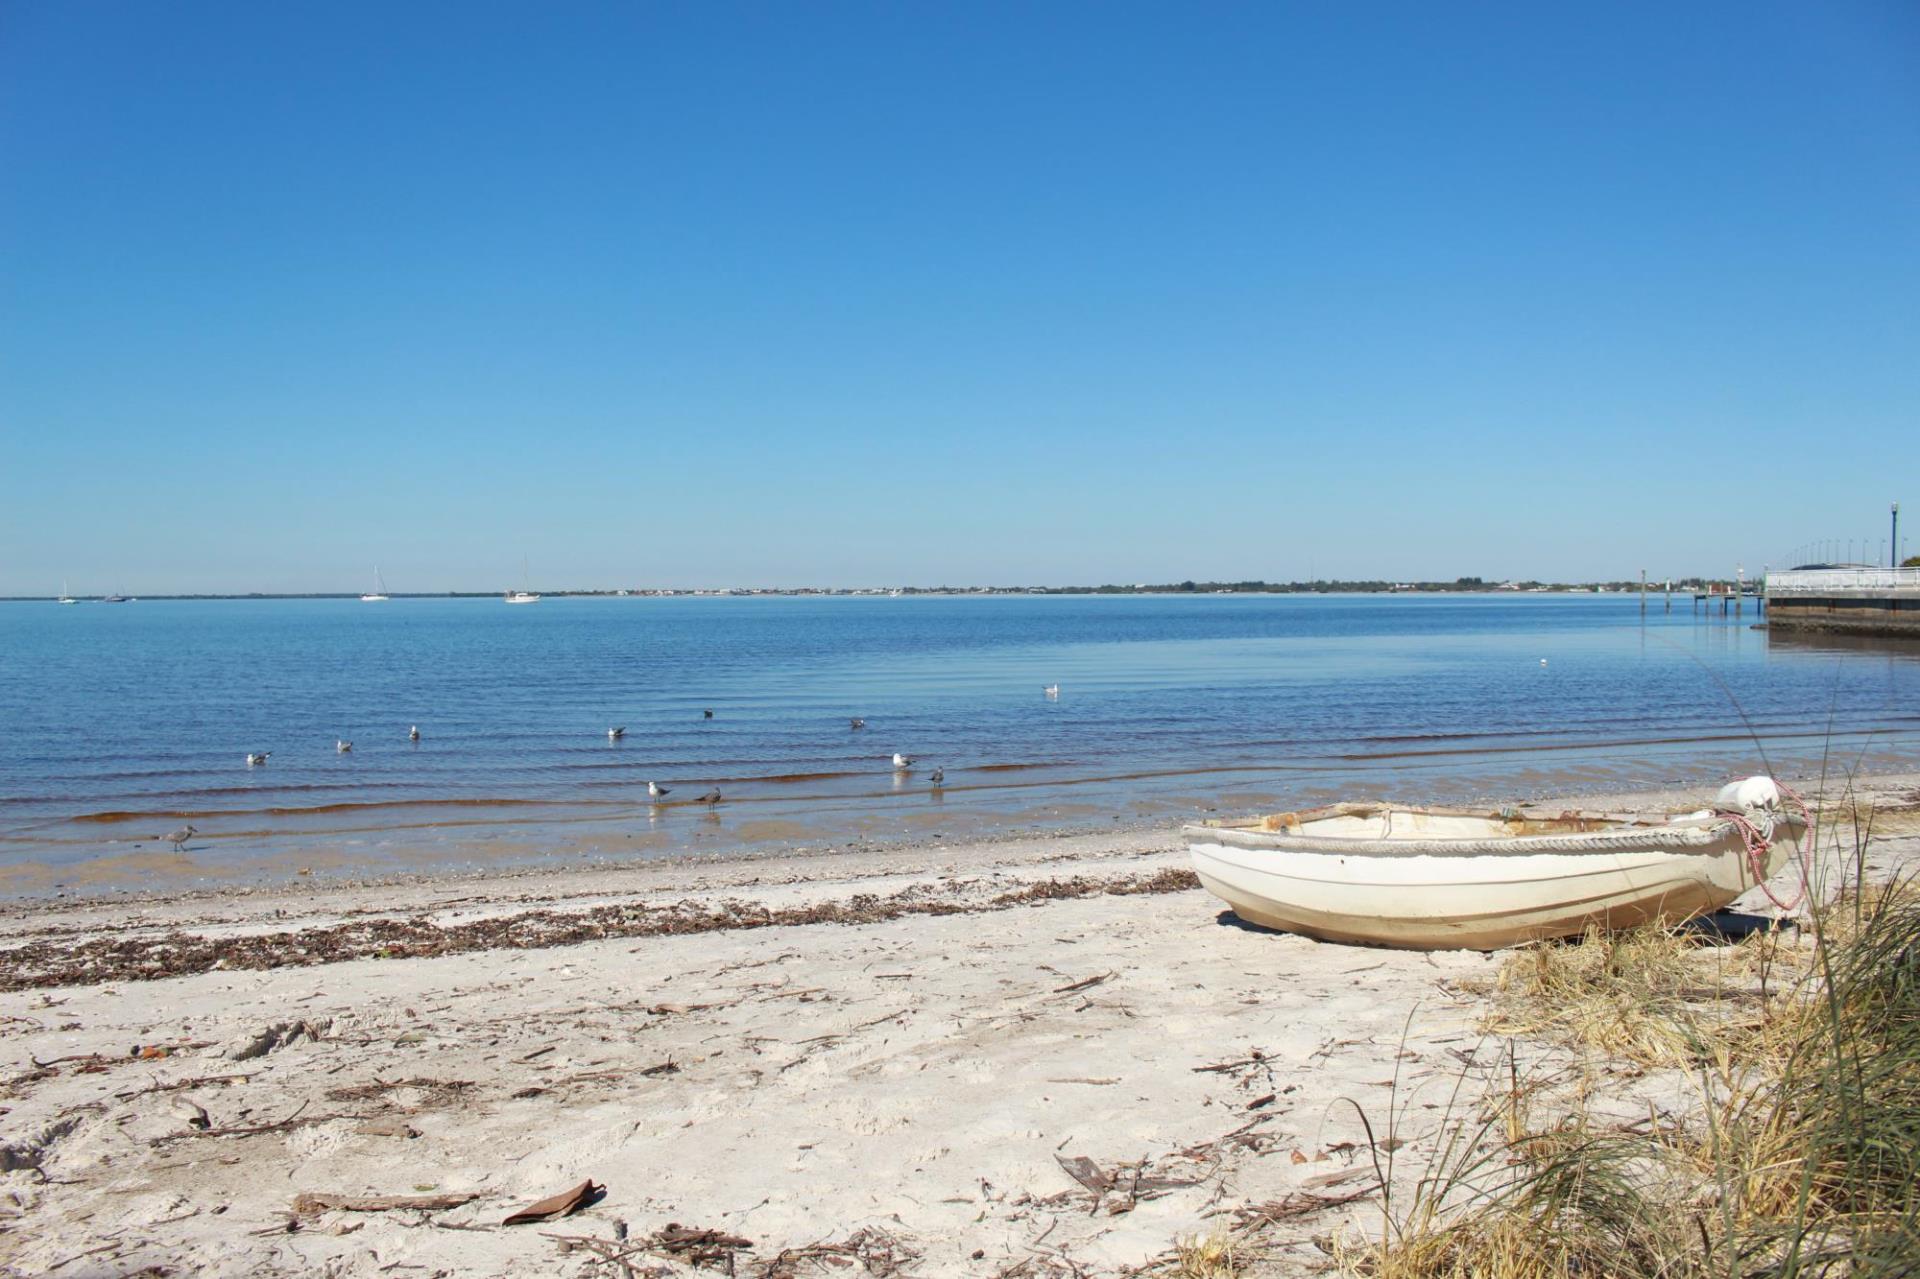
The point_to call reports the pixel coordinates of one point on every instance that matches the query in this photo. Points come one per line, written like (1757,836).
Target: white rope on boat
(1636,838)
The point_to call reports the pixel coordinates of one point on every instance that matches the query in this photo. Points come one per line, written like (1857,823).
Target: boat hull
(1475,900)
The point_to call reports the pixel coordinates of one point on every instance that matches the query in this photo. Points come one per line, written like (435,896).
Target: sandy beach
(1035,1056)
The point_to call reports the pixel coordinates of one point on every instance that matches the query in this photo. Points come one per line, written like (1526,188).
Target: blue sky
(839,294)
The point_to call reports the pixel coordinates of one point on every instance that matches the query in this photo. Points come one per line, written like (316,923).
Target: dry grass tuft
(1654,996)
(1208,1256)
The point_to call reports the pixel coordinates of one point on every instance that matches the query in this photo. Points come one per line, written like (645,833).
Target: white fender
(1747,795)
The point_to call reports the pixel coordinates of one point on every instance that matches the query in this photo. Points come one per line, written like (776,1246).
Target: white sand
(916,1078)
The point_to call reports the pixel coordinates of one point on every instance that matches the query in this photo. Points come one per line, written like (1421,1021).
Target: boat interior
(1391,821)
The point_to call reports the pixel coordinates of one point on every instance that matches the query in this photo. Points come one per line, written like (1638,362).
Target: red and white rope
(1759,839)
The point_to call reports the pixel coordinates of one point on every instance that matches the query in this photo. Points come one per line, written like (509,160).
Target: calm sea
(124,721)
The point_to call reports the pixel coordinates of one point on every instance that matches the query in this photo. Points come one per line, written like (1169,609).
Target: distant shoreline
(1461,586)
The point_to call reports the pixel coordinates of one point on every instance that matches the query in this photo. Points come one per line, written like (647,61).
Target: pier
(1846,601)
(1731,599)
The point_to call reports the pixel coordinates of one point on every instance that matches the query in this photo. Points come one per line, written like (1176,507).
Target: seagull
(255,758)
(858,724)
(1543,661)
(938,776)
(657,791)
(413,734)
(903,761)
(711,798)
(1052,690)
(706,714)
(615,734)
(343,746)
(179,838)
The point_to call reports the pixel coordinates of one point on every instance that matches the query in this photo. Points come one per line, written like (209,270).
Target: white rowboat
(1439,878)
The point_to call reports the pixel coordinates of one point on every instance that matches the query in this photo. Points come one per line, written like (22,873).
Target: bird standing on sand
(256,758)
(711,798)
(903,761)
(413,734)
(180,837)
(657,791)
(342,746)
(938,776)
(858,724)
(615,734)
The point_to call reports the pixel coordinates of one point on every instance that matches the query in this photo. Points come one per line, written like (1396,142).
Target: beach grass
(1800,1158)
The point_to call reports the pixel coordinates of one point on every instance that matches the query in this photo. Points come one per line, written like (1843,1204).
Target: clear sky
(704,293)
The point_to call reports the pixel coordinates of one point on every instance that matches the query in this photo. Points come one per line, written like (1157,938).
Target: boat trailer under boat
(1456,878)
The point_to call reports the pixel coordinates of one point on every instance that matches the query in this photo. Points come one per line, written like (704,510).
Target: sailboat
(66,596)
(522,596)
(379,593)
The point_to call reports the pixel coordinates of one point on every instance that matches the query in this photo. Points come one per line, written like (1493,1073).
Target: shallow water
(125,721)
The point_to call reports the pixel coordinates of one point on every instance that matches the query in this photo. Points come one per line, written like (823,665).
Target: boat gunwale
(1633,833)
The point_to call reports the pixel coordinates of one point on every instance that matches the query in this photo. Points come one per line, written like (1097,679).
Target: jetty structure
(1845,600)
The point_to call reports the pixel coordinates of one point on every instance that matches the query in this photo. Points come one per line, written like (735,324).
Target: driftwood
(609,1250)
(253,1130)
(306,1205)
(876,1252)
(1300,1203)
(198,1081)
(700,1247)
(1130,1182)
(369,1091)
(1084,983)
(1335,1178)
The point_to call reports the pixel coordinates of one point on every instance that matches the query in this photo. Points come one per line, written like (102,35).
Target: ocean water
(125,721)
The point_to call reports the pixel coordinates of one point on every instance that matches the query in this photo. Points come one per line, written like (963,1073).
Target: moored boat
(523,595)
(1444,878)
